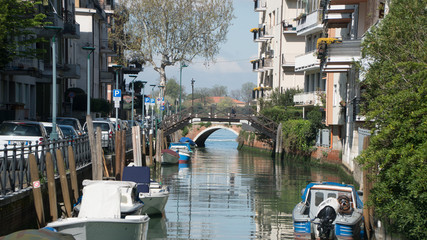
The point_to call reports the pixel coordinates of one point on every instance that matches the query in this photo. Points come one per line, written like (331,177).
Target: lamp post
(54,133)
(90,49)
(182,65)
(152,107)
(192,94)
(117,68)
(143,104)
(133,90)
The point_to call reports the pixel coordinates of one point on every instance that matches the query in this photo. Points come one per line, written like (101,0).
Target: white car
(18,133)
(107,130)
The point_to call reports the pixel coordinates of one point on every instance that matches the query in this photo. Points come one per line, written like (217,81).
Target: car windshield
(103,126)
(20,129)
(68,131)
(69,122)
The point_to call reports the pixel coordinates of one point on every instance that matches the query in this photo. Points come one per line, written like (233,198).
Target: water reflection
(230,194)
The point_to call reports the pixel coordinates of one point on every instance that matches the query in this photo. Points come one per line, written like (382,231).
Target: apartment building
(345,23)
(278,45)
(26,83)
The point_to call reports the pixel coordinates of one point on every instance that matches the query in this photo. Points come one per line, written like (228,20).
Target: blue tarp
(187,139)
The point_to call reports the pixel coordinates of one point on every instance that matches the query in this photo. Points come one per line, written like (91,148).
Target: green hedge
(298,136)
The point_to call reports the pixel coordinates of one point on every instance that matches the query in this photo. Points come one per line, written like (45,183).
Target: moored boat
(328,210)
(169,157)
(153,194)
(100,216)
(183,149)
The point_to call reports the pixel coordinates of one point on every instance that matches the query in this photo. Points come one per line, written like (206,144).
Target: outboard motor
(326,214)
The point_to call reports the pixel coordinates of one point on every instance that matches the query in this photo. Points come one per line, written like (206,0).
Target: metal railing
(14,163)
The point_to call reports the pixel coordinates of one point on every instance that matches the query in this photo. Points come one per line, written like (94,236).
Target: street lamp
(133,91)
(90,49)
(182,65)
(143,104)
(117,69)
(192,94)
(54,133)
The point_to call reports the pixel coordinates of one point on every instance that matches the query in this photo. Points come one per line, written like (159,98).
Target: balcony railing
(342,56)
(310,23)
(260,34)
(309,98)
(260,5)
(307,61)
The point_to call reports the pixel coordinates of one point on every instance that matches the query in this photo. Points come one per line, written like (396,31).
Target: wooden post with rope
(118,149)
(37,192)
(73,174)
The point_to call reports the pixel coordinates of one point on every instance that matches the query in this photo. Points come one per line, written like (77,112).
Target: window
(332,195)
(318,198)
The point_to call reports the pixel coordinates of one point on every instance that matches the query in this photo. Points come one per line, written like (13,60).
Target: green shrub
(297,136)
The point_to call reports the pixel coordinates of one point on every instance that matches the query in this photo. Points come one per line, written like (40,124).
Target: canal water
(229,194)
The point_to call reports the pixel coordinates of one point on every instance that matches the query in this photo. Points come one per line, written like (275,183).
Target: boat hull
(132,227)
(153,203)
(169,157)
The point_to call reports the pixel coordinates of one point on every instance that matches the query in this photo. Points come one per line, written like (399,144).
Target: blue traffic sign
(162,108)
(153,100)
(147,100)
(117,92)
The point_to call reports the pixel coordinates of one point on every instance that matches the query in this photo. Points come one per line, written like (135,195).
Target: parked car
(21,132)
(121,125)
(48,126)
(107,130)
(69,131)
(71,122)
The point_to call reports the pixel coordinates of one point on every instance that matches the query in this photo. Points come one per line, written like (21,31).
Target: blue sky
(232,68)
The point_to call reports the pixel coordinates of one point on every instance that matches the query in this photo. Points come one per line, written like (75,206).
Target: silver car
(107,130)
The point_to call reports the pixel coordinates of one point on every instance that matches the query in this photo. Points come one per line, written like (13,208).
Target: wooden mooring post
(123,153)
(51,186)
(37,192)
(64,182)
(118,149)
(73,174)
(150,149)
(136,145)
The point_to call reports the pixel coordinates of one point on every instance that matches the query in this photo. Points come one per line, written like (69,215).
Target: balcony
(288,28)
(71,31)
(341,56)
(310,23)
(106,77)
(262,64)
(306,62)
(70,71)
(342,2)
(309,99)
(338,16)
(260,34)
(260,5)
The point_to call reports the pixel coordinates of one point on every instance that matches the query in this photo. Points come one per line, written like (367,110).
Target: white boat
(329,210)
(128,192)
(151,193)
(100,216)
(169,157)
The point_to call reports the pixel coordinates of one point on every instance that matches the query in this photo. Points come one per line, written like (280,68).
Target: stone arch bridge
(223,120)
(199,133)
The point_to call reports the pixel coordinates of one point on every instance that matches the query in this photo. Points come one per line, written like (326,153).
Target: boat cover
(100,200)
(359,201)
(140,175)
(187,139)
(168,151)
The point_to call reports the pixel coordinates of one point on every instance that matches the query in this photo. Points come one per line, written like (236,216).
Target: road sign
(162,108)
(117,104)
(147,100)
(117,92)
(153,101)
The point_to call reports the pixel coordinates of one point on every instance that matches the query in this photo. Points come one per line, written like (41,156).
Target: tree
(396,109)
(17,22)
(165,32)
(218,91)
(172,89)
(236,94)
(246,91)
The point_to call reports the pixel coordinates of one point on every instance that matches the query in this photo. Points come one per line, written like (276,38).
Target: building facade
(278,45)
